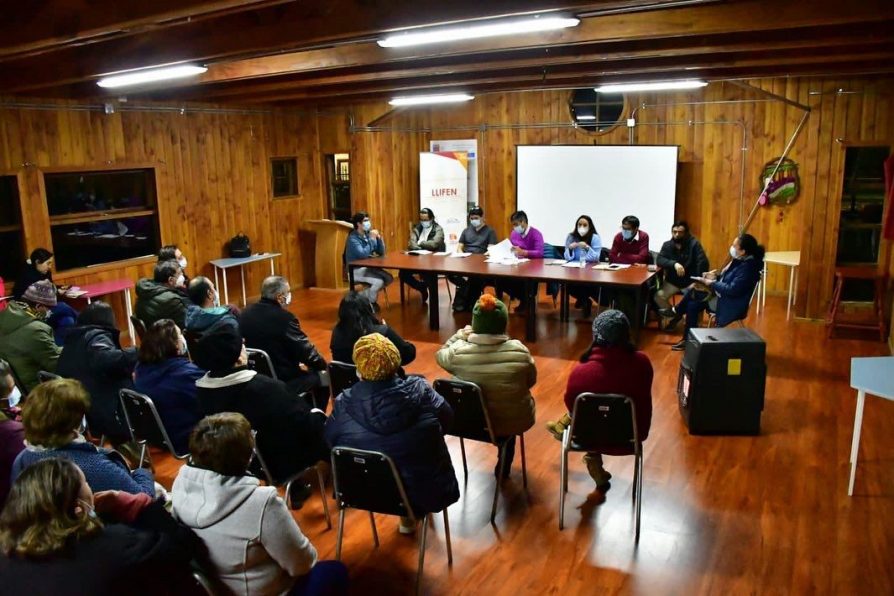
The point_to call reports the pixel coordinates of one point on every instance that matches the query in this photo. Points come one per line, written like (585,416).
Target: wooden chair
(369,481)
(842,274)
(599,421)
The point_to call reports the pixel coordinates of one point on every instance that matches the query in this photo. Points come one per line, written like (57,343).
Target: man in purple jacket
(527,243)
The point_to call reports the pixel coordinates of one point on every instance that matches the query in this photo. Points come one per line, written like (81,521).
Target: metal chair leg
(372,522)
(462,448)
(502,456)
(563,487)
(639,498)
(323,497)
(288,489)
(143,450)
(421,554)
(634,491)
(340,533)
(524,462)
(447,536)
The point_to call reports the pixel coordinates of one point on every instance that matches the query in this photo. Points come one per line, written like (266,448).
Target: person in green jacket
(163,296)
(26,342)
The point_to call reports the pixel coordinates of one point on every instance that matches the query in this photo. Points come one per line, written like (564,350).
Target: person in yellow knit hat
(404,418)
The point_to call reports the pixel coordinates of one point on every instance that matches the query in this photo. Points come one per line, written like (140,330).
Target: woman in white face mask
(583,245)
(426,235)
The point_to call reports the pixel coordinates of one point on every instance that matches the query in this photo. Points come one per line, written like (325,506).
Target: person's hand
(711,274)
(373,234)
(573,245)
(583,246)
(681,271)
(119,505)
(517,250)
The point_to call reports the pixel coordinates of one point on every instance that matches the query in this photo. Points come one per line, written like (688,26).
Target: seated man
(205,313)
(527,243)
(365,242)
(500,365)
(427,235)
(474,239)
(681,258)
(162,296)
(290,434)
(268,325)
(629,247)
(12,433)
(26,341)
(403,418)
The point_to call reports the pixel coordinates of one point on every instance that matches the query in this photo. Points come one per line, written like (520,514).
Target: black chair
(44,376)
(145,424)
(139,326)
(369,481)
(203,583)
(598,421)
(472,421)
(259,361)
(341,376)
(287,483)
(17,380)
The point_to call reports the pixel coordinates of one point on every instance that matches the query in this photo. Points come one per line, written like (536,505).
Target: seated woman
(403,418)
(93,355)
(356,319)
(730,291)
(611,365)
(52,540)
(12,434)
(583,242)
(166,375)
(501,366)
(52,418)
(39,268)
(254,544)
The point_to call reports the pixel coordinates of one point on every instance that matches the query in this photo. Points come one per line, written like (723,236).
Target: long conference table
(532,272)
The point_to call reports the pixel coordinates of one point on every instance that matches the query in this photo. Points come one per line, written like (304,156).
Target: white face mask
(367,225)
(519,229)
(15,397)
(582,230)
(180,280)
(476,223)
(182,348)
(733,252)
(425,224)
(182,262)
(288,299)
(216,299)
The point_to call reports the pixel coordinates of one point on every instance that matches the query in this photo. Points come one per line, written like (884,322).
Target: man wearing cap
(26,341)
(403,418)
(610,365)
(290,434)
(502,367)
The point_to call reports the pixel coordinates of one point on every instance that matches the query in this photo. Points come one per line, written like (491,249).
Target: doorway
(338,175)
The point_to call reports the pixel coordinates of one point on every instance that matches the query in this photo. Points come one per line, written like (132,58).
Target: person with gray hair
(611,364)
(268,325)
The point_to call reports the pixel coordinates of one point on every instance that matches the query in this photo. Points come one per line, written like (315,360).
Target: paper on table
(419,251)
(610,266)
(574,264)
(443,253)
(500,250)
(460,254)
(510,260)
(557,262)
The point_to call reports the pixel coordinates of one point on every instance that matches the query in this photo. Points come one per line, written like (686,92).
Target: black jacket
(343,340)
(692,256)
(29,275)
(290,436)
(152,557)
(269,327)
(93,355)
(157,301)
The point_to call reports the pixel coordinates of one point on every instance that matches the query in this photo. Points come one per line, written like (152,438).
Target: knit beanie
(377,359)
(217,350)
(611,328)
(41,292)
(489,315)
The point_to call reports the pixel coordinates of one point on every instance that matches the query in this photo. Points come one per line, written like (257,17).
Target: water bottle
(583,257)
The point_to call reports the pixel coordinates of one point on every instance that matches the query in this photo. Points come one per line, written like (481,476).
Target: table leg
(216,282)
(563,305)
(531,323)
(855,443)
(226,295)
(795,295)
(637,318)
(272,270)
(350,278)
(434,306)
(242,275)
(129,310)
(791,287)
(762,294)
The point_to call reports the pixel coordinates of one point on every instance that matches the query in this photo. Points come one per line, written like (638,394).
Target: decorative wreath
(785,184)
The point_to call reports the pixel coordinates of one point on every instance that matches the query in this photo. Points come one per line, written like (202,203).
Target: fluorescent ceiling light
(585,117)
(151,75)
(662,86)
(478,30)
(416,100)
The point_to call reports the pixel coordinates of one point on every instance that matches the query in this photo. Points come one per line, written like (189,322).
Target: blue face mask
(476,223)
(367,226)
(627,234)
(425,224)
(519,230)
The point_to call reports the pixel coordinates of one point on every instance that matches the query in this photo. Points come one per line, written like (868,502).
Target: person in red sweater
(612,364)
(631,245)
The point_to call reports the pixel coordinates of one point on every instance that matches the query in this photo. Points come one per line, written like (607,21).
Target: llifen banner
(443,188)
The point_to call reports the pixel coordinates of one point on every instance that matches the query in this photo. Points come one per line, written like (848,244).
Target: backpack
(240,246)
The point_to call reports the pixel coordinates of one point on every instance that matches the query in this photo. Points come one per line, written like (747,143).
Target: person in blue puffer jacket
(403,418)
(166,375)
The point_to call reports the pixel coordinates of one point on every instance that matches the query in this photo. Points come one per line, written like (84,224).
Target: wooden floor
(721,515)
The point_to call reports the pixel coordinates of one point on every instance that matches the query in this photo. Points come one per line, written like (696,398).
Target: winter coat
(157,301)
(359,246)
(734,289)
(405,419)
(431,239)
(290,436)
(93,355)
(103,469)
(504,370)
(172,387)
(267,326)
(254,544)
(12,441)
(615,370)
(150,557)
(27,344)
(208,320)
(691,255)
(343,340)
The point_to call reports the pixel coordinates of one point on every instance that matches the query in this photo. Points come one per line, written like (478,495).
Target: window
(284,174)
(12,246)
(594,111)
(102,216)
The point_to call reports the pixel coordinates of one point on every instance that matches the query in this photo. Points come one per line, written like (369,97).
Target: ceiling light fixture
(660,86)
(478,30)
(418,100)
(151,75)
(585,117)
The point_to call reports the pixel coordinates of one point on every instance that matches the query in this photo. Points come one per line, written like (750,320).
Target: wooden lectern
(330,244)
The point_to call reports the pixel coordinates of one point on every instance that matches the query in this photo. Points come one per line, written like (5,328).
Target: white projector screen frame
(556,184)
